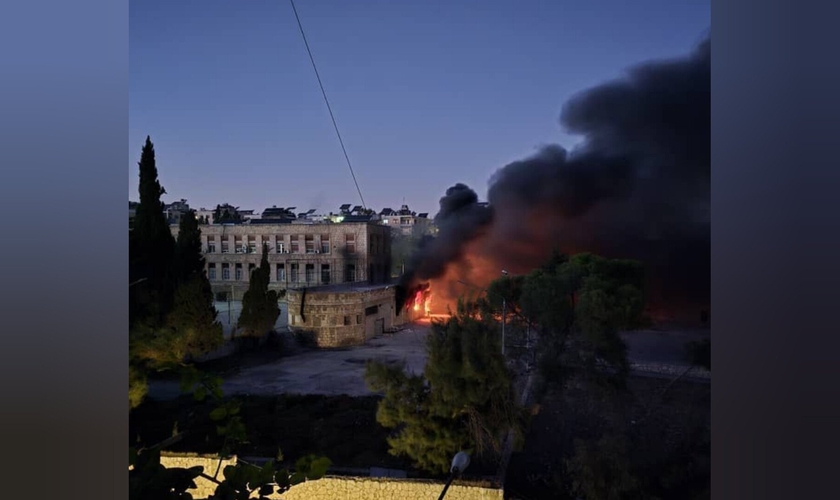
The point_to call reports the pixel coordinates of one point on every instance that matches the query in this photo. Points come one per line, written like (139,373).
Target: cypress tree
(259,304)
(151,247)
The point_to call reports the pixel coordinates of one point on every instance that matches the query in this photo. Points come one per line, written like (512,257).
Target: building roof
(357,218)
(358,286)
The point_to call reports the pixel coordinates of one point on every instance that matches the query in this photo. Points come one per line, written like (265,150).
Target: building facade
(405,221)
(345,314)
(300,255)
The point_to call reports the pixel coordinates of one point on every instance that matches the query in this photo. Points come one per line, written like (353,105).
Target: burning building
(637,187)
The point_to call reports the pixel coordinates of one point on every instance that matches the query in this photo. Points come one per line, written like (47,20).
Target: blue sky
(426,93)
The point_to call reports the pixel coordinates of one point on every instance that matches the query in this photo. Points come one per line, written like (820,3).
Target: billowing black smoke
(636,187)
(459,221)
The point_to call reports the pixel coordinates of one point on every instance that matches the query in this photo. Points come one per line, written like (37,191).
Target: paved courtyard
(328,372)
(341,371)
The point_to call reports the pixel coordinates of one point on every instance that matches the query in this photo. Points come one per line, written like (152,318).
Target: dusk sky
(426,93)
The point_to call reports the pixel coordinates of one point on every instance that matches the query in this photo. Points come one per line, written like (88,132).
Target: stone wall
(342,487)
(365,488)
(204,487)
(372,253)
(341,316)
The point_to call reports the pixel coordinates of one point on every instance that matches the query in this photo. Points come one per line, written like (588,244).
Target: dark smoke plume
(459,221)
(637,186)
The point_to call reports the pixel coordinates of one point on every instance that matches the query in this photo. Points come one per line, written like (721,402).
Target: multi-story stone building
(405,221)
(300,255)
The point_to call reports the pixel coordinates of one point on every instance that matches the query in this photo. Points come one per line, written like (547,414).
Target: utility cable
(329,108)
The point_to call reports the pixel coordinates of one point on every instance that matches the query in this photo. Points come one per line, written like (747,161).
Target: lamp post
(504,317)
(460,461)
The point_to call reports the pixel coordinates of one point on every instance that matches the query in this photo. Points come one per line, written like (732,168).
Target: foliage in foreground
(149,480)
(464,400)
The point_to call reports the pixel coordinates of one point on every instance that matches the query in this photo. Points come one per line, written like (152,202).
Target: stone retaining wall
(341,487)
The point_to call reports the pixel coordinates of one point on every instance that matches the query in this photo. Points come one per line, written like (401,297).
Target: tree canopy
(464,400)
(580,303)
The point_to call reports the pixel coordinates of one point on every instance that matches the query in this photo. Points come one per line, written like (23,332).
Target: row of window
(294,276)
(310,246)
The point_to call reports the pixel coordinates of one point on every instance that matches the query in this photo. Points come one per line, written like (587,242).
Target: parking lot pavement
(341,371)
(327,372)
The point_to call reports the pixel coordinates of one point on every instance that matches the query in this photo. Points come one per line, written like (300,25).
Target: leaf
(200,393)
(218,414)
(296,478)
(266,490)
(318,467)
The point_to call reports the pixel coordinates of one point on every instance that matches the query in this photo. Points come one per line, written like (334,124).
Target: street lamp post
(459,462)
(504,317)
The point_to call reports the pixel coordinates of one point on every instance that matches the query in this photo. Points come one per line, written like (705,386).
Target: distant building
(204,214)
(300,255)
(175,210)
(405,221)
(132,212)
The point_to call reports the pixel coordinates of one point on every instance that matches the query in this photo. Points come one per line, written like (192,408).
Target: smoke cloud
(637,187)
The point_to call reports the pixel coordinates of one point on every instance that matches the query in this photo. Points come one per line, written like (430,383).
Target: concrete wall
(341,487)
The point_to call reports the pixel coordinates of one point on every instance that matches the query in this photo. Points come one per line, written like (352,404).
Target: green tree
(259,304)
(151,248)
(464,400)
(173,318)
(580,304)
(189,261)
(217,214)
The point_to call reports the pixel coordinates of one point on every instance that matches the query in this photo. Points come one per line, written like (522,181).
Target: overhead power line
(329,108)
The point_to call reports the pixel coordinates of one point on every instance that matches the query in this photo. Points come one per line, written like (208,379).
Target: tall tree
(217,214)
(259,304)
(151,248)
(189,260)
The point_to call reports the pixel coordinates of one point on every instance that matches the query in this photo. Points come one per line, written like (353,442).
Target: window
(237,245)
(295,244)
(325,273)
(325,243)
(350,273)
(238,272)
(225,271)
(309,243)
(211,244)
(279,245)
(350,243)
(252,244)
(251,268)
(211,271)
(347,321)
(358,319)
(281,272)
(370,311)
(225,246)
(310,273)
(294,273)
